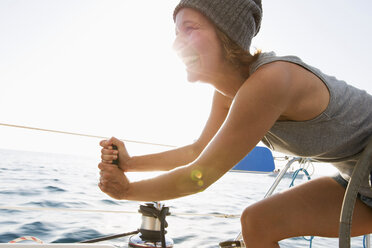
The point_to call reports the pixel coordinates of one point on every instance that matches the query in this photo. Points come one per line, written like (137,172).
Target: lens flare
(197,176)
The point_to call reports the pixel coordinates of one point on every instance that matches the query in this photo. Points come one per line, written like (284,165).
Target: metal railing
(361,173)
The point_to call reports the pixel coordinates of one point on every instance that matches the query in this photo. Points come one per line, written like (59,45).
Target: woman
(292,107)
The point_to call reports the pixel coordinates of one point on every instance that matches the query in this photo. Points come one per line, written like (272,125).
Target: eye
(189,29)
(185,30)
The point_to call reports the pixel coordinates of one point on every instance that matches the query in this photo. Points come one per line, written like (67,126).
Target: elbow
(196,148)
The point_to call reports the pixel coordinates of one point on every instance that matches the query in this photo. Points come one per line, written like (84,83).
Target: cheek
(196,43)
(211,59)
(209,47)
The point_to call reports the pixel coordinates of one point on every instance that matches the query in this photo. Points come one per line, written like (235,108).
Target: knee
(257,228)
(252,221)
(259,220)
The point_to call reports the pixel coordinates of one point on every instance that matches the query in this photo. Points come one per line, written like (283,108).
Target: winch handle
(116,161)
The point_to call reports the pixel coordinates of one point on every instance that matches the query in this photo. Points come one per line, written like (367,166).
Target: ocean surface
(57,184)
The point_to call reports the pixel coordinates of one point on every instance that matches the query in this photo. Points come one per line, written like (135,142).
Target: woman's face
(198,46)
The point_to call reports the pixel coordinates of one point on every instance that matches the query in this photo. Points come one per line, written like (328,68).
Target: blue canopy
(260,159)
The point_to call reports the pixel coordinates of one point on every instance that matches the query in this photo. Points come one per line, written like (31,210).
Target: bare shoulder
(275,75)
(292,87)
(271,82)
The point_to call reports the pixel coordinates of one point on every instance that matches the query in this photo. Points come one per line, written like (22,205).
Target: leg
(309,209)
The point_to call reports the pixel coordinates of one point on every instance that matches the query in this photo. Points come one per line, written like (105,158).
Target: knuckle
(103,142)
(106,158)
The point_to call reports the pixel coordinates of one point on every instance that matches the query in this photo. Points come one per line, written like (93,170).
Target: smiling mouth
(190,60)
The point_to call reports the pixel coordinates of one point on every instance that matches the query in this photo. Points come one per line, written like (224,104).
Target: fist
(109,154)
(113,181)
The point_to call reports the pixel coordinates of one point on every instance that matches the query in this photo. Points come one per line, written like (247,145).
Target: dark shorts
(343,182)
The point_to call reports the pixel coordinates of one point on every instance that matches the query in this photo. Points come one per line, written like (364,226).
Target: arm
(261,100)
(171,159)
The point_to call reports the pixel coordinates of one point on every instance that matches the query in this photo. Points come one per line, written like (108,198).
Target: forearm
(185,180)
(165,161)
(177,183)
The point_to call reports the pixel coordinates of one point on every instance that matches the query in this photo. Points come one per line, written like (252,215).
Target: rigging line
(226,216)
(67,210)
(112,211)
(83,135)
(103,137)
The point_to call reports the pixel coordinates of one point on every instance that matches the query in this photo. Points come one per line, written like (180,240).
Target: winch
(152,231)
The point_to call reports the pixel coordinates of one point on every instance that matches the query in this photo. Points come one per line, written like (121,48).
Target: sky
(107,68)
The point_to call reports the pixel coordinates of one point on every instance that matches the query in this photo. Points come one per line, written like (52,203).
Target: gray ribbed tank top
(337,136)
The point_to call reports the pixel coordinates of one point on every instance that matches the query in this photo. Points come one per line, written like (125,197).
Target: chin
(192,77)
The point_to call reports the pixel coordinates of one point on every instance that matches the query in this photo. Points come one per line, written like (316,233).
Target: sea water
(53,184)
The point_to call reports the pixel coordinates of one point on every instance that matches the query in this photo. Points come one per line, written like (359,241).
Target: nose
(179,43)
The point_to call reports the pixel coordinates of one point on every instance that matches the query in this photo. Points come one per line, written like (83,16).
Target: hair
(236,55)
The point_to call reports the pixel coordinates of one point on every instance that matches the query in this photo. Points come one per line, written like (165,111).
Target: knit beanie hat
(238,19)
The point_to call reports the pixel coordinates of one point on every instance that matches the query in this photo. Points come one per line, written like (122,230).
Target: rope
(364,241)
(103,137)
(116,236)
(30,238)
(114,211)
(82,135)
(310,240)
(66,210)
(295,174)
